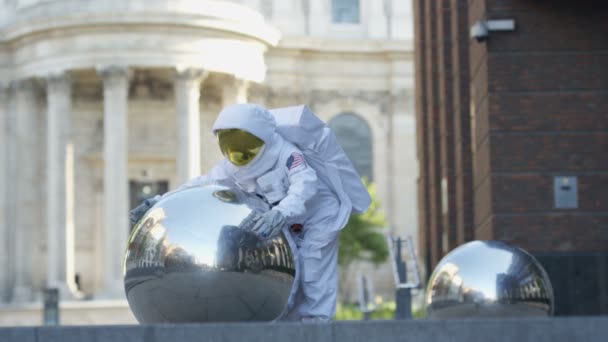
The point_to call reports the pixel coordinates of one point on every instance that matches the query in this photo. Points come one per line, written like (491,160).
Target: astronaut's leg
(319,281)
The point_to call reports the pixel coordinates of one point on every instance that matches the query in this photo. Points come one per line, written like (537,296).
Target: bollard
(403,295)
(366,297)
(51,306)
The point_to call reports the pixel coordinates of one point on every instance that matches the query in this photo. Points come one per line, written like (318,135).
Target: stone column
(60,187)
(319,16)
(10,200)
(401,17)
(115,183)
(4,234)
(377,19)
(25,191)
(254,4)
(236,91)
(187,93)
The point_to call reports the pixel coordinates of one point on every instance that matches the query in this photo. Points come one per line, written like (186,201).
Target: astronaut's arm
(303,185)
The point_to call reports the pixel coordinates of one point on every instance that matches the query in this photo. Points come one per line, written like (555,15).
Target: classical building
(104,103)
(513,135)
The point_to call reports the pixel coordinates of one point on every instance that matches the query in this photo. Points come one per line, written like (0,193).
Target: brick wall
(446,182)
(499,119)
(424,249)
(462,123)
(547,85)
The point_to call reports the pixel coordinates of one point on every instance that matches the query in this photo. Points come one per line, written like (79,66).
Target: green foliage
(348,312)
(420,313)
(384,311)
(351,312)
(361,239)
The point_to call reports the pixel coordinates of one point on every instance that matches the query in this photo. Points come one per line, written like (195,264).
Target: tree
(361,239)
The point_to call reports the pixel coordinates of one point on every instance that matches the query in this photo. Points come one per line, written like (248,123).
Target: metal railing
(401,277)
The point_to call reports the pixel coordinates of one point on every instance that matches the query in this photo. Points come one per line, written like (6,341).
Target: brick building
(513,136)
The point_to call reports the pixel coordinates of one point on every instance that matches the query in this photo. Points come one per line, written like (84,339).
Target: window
(354,135)
(345,11)
(139,191)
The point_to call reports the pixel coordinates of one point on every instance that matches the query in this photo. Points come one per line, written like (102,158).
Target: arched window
(355,137)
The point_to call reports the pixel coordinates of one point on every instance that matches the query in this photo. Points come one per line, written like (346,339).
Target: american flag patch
(295,159)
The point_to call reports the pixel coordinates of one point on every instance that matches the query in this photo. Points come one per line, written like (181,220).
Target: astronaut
(259,160)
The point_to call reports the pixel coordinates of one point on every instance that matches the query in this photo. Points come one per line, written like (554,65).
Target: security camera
(479,31)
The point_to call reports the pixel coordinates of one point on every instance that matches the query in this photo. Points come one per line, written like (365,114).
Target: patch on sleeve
(295,160)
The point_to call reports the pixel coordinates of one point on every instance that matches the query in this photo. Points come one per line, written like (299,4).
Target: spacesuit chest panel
(272,186)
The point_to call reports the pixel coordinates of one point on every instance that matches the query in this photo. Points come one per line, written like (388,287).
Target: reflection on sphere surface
(193,258)
(488,279)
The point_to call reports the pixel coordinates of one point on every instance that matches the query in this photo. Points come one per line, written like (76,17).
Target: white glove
(136,214)
(269,224)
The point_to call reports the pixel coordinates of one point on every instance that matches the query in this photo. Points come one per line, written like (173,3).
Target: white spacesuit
(259,160)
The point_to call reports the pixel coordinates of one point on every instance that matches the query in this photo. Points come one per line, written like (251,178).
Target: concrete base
(98,312)
(588,329)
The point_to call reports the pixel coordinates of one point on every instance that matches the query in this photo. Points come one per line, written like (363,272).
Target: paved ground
(588,329)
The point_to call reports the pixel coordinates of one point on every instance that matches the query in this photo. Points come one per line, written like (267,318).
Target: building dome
(60,35)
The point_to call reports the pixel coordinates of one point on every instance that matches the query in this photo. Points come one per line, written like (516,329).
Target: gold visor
(238,146)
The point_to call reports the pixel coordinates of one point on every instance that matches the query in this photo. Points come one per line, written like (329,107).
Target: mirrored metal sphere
(193,258)
(488,279)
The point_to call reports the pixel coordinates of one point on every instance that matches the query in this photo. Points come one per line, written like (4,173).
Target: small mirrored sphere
(193,258)
(488,279)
